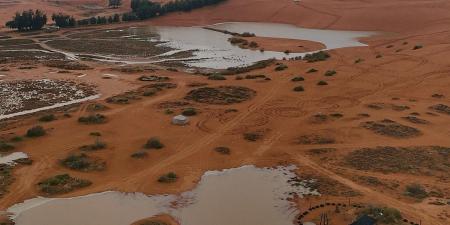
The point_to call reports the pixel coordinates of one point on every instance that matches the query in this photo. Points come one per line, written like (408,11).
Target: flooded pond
(241,196)
(200,47)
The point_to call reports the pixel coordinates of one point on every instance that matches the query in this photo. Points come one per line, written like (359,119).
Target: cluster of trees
(140,10)
(145,9)
(28,20)
(114,3)
(62,20)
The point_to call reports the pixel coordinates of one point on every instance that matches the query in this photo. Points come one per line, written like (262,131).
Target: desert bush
(223,150)
(417,47)
(76,162)
(237,41)
(4,147)
(16,139)
(297,78)
(416,191)
(252,76)
(322,83)
(189,112)
(358,60)
(252,136)
(299,89)
(139,154)
(216,77)
(239,78)
(98,145)
(47,118)
(312,70)
(317,56)
(253,44)
(168,178)
(221,95)
(330,73)
(62,183)
(36,131)
(281,67)
(258,65)
(92,119)
(391,128)
(378,56)
(154,143)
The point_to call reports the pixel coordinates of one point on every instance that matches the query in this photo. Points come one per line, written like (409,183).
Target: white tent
(180,120)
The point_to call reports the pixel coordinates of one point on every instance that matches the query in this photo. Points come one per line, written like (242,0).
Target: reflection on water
(240,196)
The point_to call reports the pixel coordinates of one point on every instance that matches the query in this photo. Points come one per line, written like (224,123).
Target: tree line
(140,10)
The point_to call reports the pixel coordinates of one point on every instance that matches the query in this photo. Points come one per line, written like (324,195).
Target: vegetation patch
(67,65)
(414,119)
(98,145)
(253,76)
(36,131)
(391,128)
(314,139)
(61,184)
(253,136)
(281,67)
(221,95)
(312,70)
(139,154)
(330,73)
(216,77)
(47,118)
(5,147)
(154,143)
(6,178)
(154,78)
(441,108)
(82,162)
(223,150)
(317,56)
(297,79)
(92,119)
(322,83)
(323,185)
(168,178)
(147,90)
(416,191)
(414,160)
(299,89)
(258,65)
(189,112)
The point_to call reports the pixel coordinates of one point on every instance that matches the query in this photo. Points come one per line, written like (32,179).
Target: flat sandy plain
(391,81)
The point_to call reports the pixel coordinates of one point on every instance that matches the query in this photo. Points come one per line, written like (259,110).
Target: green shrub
(62,183)
(322,83)
(312,70)
(223,150)
(76,162)
(139,154)
(317,56)
(299,89)
(298,78)
(98,145)
(92,119)
(417,47)
(252,136)
(216,77)
(281,67)
(17,139)
(36,131)
(154,143)
(189,112)
(416,191)
(168,178)
(47,118)
(330,73)
(4,147)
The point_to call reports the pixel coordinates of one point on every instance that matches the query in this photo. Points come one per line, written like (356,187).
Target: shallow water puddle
(9,159)
(241,196)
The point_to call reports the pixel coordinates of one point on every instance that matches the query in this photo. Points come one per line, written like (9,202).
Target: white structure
(180,120)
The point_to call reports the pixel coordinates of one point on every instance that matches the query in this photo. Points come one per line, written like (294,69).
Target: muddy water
(211,49)
(240,196)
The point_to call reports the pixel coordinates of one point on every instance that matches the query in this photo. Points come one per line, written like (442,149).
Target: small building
(365,220)
(180,120)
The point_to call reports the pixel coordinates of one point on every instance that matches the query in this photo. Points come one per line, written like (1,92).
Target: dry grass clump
(414,119)
(82,162)
(441,108)
(92,119)
(415,160)
(314,139)
(221,95)
(67,65)
(391,128)
(61,184)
